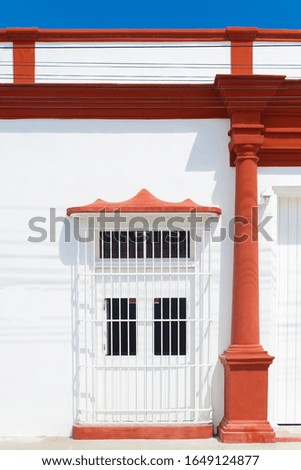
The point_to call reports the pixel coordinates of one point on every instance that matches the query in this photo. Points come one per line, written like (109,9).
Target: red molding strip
(133,35)
(154,35)
(143,432)
(123,35)
(281,35)
(103,101)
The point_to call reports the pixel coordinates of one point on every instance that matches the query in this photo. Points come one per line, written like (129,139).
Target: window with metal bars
(170,326)
(144,244)
(121,327)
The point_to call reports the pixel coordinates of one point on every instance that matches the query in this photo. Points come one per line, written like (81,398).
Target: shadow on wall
(68,255)
(216,159)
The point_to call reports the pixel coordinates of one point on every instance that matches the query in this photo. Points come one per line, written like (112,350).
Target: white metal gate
(142,334)
(288,358)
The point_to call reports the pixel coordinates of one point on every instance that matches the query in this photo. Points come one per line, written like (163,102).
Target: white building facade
(122,336)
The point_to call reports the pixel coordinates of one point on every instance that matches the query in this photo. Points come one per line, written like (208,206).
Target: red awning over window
(144,201)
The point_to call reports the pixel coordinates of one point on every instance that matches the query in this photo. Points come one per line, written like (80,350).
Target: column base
(246,395)
(245,432)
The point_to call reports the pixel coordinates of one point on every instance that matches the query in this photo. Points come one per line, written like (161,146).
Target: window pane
(166,244)
(169,330)
(157,244)
(105,245)
(184,244)
(136,244)
(139,244)
(123,241)
(149,244)
(121,327)
(174,244)
(115,244)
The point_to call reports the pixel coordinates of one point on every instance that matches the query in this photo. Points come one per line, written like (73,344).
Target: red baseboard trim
(142,432)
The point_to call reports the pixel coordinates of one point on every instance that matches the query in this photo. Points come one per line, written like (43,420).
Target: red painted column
(245,300)
(245,361)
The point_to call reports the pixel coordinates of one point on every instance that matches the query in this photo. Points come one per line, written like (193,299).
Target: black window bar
(121,327)
(139,244)
(170,326)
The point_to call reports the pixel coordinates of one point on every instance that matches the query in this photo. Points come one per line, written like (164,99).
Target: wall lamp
(265,197)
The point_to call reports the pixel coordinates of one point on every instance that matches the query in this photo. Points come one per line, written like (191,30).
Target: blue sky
(150,13)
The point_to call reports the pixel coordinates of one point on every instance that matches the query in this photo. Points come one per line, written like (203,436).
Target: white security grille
(142,329)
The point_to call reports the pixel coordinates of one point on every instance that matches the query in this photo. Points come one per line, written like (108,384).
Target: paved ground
(65,443)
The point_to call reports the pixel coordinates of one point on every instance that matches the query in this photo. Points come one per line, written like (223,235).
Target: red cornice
(130,35)
(144,201)
(290,35)
(116,101)
(118,35)
(150,35)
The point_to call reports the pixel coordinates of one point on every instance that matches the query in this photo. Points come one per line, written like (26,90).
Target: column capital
(246,140)
(246,97)
(247,93)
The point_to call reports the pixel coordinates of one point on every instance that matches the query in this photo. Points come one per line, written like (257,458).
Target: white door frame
(276,192)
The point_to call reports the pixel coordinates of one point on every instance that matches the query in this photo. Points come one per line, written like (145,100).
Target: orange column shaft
(245,361)
(245,307)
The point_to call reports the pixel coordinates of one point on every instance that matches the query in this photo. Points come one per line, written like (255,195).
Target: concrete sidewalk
(65,443)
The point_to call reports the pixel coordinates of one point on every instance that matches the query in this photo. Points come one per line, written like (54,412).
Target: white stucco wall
(58,164)
(98,62)
(6,62)
(277,58)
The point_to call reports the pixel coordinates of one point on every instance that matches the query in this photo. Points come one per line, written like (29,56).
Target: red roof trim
(117,35)
(235,34)
(144,201)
